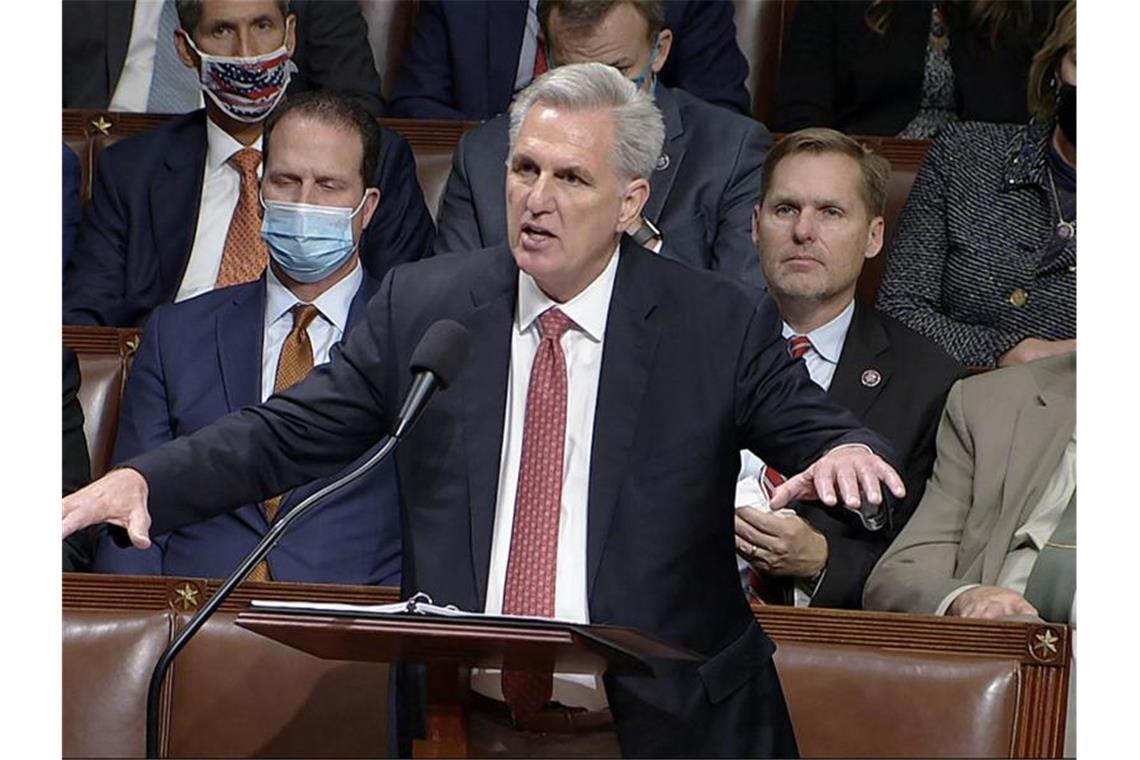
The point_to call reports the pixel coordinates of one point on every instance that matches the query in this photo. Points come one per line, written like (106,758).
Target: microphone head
(442,351)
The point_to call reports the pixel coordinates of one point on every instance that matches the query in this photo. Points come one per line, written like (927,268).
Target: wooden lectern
(450,646)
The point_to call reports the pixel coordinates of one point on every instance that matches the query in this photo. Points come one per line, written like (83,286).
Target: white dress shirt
(821,360)
(133,88)
(326,329)
(582,345)
(220,188)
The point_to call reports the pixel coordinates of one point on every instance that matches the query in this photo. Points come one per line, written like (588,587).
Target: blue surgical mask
(308,242)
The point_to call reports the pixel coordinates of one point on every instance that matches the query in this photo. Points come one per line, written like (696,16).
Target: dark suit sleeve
(95,276)
(333,52)
(781,415)
(733,248)
(851,554)
(425,85)
(144,424)
(458,227)
(705,60)
(72,205)
(312,430)
(806,96)
(77,548)
(401,229)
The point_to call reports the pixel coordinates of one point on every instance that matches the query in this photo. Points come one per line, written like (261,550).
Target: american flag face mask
(246,89)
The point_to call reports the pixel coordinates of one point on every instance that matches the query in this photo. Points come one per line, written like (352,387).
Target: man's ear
(291,33)
(756,224)
(371,203)
(664,45)
(186,53)
(634,200)
(874,238)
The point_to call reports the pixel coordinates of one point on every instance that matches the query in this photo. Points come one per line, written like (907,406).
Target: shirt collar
(828,339)
(220,145)
(588,310)
(333,304)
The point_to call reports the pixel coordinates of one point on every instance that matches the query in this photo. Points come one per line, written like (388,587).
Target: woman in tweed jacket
(984,261)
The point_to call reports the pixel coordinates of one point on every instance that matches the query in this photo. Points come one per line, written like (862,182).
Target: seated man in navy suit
(467,60)
(173,211)
(704,184)
(234,347)
(819,219)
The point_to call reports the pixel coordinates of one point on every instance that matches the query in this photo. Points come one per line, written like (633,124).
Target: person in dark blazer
(227,349)
(463,62)
(984,259)
(820,218)
(72,200)
(77,548)
(158,212)
(861,67)
(704,185)
(690,367)
(332,51)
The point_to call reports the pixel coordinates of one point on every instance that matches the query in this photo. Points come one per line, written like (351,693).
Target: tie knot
(246,162)
(303,315)
(798,345)
(554,324)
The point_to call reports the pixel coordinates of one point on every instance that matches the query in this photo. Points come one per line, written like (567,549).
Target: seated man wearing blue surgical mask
(236,346)
(174,210)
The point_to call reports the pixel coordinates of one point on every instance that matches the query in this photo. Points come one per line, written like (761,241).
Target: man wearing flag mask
(174,211)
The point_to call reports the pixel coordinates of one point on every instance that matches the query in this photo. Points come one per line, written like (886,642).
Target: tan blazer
(1001,437)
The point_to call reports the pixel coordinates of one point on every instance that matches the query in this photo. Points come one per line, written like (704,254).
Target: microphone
(435,363)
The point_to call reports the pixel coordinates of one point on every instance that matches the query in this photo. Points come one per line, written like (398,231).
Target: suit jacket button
(1018,297)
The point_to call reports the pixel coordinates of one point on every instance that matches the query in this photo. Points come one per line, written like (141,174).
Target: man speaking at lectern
(582,464)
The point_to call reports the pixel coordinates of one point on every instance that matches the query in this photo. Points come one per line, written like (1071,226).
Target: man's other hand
(118,498)
(851,473)
(1032,349)
(990,603)
(780,544)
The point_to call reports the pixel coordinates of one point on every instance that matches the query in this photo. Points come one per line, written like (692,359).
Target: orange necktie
(295,362)
(245,254)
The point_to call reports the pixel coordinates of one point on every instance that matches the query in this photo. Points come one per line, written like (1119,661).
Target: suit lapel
(484,404)
(1040,436)
(627,357)
(119,19)
(673,152)
(175,194)
(863,351)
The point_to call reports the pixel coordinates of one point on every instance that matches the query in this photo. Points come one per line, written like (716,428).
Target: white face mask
(246,89)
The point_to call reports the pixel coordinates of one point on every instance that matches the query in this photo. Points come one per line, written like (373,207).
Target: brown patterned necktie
(533,560)
(245,254)
(295,362)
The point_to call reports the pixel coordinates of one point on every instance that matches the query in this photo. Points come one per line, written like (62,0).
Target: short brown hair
(583,16)
(875,169)
(336,110)
(1042,85)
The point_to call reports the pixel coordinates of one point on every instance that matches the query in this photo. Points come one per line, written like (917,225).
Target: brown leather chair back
(105,355)
(893,704)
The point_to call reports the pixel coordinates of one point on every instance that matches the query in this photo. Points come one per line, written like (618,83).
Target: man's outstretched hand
(118,498)
(848,473)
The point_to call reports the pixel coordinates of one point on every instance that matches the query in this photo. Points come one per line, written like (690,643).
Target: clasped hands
(786,544)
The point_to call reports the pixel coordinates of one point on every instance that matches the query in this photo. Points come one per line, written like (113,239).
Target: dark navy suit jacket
(72,202)
(198,361)
(135,240)
(464,56)
(693,369)
(701,198)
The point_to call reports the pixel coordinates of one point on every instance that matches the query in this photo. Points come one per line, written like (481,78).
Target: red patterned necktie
(245,254)
(798,345)
(533,560)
